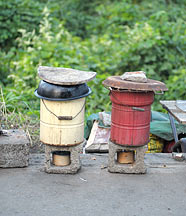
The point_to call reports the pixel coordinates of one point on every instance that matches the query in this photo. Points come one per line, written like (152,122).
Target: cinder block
(75,163)
(138,167)
(14,149)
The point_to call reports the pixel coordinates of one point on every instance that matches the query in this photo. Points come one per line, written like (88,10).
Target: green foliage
(16,14)
(109,37)
(78,15)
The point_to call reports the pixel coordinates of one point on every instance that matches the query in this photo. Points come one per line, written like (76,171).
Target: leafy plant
(110,37)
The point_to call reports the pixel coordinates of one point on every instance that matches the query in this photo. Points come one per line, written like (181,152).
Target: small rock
(103,166)
(138,76)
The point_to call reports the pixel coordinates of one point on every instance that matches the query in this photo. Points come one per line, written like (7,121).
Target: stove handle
(158,93)
(138,109)
(134,108)
(64,117)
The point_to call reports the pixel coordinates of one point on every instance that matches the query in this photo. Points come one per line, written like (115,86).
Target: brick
(14,149)
(138,167)
(72,168)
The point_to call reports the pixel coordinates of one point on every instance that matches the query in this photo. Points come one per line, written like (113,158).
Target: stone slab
(153,161)
(14,149)
(72,168)
(64,76)
(138,167)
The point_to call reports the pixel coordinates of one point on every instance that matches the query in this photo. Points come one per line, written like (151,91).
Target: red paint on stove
(130,127)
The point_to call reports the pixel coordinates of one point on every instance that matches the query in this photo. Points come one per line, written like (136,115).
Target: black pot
(55,92)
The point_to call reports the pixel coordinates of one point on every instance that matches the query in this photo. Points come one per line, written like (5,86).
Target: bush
(110,38)
(18,14)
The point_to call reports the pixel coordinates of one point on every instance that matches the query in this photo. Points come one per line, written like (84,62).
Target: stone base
(138,167)
(14,149)
(72,168)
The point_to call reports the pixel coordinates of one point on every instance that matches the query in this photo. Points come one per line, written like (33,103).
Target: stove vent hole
(61,158)
(125,157)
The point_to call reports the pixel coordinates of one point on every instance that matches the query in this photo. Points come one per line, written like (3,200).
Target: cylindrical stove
(130,119)
(62,93)
(62,114)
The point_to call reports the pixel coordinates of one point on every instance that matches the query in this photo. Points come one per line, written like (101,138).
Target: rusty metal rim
(130,146)
(117,83)
(134,91)
(60,145)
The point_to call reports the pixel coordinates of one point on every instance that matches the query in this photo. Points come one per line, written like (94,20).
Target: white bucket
(62,132)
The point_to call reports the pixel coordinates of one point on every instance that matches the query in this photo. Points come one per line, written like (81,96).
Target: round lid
(54,92)
(64,76)
(117,83)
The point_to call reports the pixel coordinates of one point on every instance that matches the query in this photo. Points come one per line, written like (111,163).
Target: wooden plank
(177,113)
(64,76)
(98,139)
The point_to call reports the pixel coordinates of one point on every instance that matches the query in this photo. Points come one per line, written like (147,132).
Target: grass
(30,124)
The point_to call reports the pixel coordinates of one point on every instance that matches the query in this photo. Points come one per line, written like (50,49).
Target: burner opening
(61,158)
(125,156)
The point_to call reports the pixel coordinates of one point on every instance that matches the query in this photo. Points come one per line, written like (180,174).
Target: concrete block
(75,163)
(14,149)
(138,167)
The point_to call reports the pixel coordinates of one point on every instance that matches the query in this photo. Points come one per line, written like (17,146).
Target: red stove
(130,120)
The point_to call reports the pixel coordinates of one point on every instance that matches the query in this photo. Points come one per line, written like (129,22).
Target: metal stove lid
(49,90)
(64,76)
(117,83)
(62,99)
(54,92)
